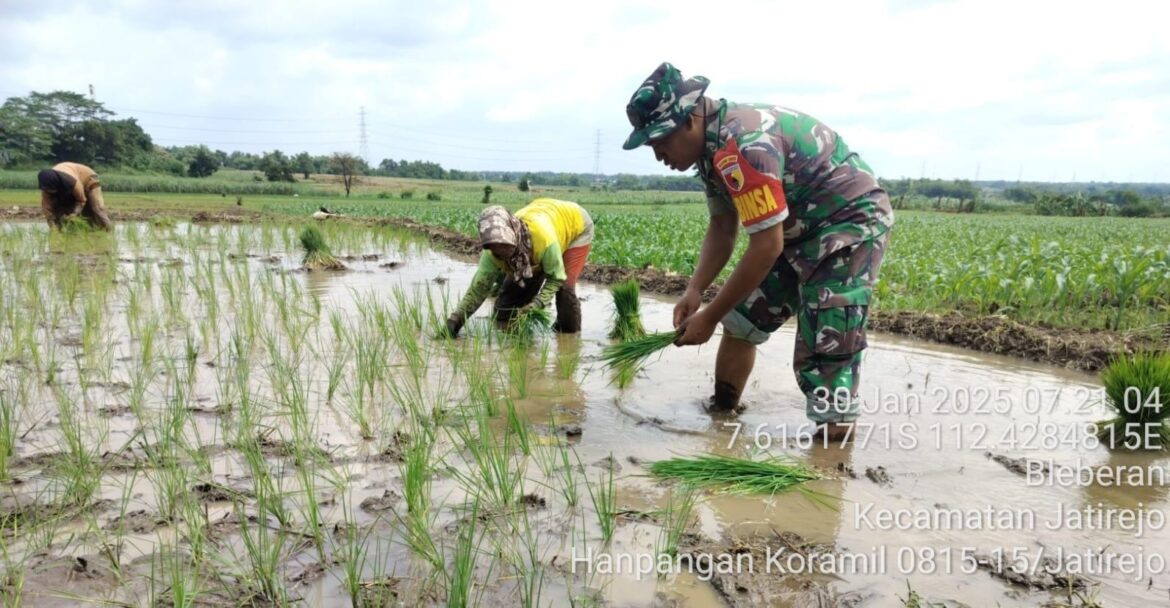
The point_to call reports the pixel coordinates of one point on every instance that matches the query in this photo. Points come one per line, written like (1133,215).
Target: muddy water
(933,416)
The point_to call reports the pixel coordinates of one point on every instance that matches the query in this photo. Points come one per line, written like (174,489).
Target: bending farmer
(529,258)
(817,223)
(69,189)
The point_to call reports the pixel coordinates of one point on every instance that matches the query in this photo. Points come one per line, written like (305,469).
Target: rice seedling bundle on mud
(627,322)
(1137,388)
(317,253)
(735,475)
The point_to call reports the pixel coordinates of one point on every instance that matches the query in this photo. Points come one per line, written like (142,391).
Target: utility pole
(597,159)
(364,145)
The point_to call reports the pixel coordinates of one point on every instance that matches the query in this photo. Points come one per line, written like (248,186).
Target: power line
(207,117)
(476,148)
(250,131)
(263,144)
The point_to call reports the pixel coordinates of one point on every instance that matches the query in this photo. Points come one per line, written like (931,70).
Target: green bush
(406,194)
(434,196)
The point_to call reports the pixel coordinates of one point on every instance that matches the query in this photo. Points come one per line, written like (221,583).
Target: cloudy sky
(999,90)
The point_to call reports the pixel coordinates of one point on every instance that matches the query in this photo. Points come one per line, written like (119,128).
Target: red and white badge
(757,197)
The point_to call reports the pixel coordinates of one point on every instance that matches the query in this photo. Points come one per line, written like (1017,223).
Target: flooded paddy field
(188,418)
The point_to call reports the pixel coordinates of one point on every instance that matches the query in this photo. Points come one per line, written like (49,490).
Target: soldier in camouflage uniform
(817,223)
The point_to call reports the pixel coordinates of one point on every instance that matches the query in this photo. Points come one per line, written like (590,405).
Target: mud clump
(138,522)
(1087,350)
(1049,574)
(377,504)
(1019,466)
(311,573)
(532,501)
(213,492)
(204,217)
(395,451)
(609,463)
(757,581)
(879,476)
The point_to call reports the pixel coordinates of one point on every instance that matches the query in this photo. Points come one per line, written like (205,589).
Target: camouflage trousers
(829,289)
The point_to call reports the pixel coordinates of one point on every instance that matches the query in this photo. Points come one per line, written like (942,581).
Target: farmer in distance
(817,223)
(69,189)
(529,258)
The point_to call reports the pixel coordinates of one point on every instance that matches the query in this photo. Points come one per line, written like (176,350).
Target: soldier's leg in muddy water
(831,335)
(748,325)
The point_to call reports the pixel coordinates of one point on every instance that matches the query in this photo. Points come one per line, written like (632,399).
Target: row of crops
(1075,272)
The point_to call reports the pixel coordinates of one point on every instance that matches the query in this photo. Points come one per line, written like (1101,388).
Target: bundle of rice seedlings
(736,475)
(1137,388)
(75,224)
(530,322)
(317,253)
(634,352)
(627,357)
(627,322)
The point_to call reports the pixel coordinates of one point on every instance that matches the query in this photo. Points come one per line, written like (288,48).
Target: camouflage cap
(662,104)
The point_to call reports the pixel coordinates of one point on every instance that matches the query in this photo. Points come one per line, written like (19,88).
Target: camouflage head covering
(496,225)
(662,104)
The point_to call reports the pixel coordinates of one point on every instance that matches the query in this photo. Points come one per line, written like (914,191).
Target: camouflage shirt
(825,184)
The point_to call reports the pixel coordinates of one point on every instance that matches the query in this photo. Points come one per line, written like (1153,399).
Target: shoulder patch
(731,173)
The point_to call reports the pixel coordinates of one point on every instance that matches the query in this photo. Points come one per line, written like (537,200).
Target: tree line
(1142,200)
(46,128)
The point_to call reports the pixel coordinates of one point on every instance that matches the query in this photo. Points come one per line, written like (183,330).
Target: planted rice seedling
(494,473)
(519,429)
(1137,389)
(12,398)
(675,519)
(604,500)
(518,371)
(526,563)
(461,577)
